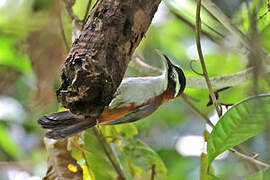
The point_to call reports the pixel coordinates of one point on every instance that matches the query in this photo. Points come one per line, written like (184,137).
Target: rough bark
(98,59)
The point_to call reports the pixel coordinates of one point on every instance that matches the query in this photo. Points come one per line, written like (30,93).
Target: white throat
(177,83)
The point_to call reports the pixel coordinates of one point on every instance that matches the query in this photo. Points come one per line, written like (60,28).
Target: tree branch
(98,58)
(205,73)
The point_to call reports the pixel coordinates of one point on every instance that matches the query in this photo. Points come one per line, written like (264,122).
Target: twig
(264,14)
(63,32)
(221,81)
(193,70)
(76,22)
(153,172)
(207,120)
(223,19)
(217,82)
(242,156)
(68,5)
(174,12)
(109,153)
(227,23)
(139,64)
(86,13)
(249,159)
(188,23)
(198,42)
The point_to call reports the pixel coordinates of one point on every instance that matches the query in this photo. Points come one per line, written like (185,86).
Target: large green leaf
(141,160)
(96,160)
(137,159)
(262,175)
(243,121)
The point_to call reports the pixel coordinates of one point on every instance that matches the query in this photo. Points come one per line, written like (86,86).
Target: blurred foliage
(262,175)
(32,51)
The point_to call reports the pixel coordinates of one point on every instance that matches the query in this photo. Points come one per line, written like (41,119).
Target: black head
(176,78)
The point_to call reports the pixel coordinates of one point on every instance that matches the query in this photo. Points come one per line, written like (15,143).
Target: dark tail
(64,124)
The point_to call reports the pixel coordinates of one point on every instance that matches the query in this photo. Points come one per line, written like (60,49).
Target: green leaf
(128,130)
(96,159)
(141,159)
(8,144)
(137,159)
(243,121)
(262,175)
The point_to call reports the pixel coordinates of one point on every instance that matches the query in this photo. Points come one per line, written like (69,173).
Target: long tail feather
(58,119)
(64,124)
(71,130)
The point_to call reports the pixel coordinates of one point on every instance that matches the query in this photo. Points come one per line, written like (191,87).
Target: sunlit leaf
(96,159)
(262,175)
(243,121)
(60,164)
(141,160)
(128,130)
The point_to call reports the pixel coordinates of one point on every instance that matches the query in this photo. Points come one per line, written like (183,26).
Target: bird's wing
(139,90)
(135,114)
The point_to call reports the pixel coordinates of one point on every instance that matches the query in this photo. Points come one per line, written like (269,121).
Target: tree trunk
(98,59)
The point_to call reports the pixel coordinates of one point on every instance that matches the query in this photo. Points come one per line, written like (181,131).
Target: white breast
(138,90)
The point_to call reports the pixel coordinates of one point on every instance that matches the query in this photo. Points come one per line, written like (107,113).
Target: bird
(135,99)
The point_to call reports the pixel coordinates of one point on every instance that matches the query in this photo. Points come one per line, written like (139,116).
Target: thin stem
(188,23)
(223,19)
(139,64)
(217,82)
(63,32)
(249,159)
(153,172)
(198,42)
(109,153)
(220,82)
(86,13)
(193,70)
(68,5)
(242,156)
(227,23)
(207,120)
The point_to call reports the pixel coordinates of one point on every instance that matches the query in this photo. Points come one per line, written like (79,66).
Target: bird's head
(175,76)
